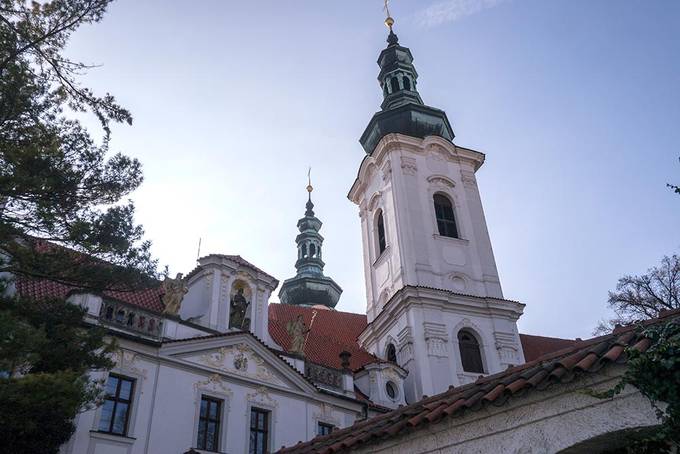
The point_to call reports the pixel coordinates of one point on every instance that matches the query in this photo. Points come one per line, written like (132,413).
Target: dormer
(228,293)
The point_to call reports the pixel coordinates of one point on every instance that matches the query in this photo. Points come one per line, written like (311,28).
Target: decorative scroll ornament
(261,395)
(128,361)
(215,383)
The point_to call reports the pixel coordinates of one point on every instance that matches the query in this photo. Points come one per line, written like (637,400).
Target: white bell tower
(432,285)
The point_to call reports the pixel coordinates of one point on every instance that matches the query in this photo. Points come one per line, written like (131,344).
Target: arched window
(312,250)
(470,354)
(407,83)
(304,251)
(446,222)
(395,84)
(380,229)
(391,353)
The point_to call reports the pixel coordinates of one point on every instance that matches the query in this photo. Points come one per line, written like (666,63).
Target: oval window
(391,390)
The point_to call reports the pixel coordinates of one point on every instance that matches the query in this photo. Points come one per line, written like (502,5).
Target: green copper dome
(403,111)
(309,287)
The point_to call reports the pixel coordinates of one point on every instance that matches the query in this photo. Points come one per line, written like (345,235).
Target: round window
(391,390)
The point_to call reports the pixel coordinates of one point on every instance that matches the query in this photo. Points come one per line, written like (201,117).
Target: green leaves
(56,183)
(63,218)
(46,353)
(656,374)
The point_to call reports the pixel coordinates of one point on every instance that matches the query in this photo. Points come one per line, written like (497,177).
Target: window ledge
(382,257)
(437,236)
(208,452)
(112,437)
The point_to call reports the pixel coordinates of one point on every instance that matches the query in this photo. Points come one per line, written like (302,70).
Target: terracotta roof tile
(330,333)
(43,289)
(537,346)
(582,357)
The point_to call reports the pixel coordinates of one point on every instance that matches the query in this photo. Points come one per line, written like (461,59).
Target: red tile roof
(234,258)
(330,333)
(537,346)
(42,289)
(582,357)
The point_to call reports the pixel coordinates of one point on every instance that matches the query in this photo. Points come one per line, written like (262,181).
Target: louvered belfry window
(470,354)
(446,221)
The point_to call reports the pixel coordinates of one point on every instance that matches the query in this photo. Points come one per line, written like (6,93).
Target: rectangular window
(209,424)
(117,402)
(259,431)
(324,429)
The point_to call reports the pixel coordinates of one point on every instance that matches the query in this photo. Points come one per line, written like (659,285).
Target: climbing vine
(656,373)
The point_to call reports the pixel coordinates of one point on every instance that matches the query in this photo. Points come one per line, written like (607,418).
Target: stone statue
(173,293)
(298,331)
(237,311)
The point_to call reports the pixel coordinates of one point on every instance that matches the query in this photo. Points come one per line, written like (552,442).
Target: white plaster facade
(180,361)
(424,288)
(169,383)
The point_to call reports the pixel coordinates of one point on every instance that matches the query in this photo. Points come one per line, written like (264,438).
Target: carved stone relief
(436,339)
(507,347)
(408,165)
(405,346)
(127,361)
(469,179)
(214,383)
(242,360)
(261,395)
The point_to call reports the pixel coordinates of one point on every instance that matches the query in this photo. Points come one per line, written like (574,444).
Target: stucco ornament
(127,361)
(214,383)
(240,362)
(173,293)
(298,331)
(261,395)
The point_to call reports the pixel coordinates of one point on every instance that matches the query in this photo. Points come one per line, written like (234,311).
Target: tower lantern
(310,287)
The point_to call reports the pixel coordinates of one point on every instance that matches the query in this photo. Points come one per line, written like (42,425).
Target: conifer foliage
(63,217)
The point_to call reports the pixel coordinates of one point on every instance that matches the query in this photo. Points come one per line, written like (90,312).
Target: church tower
(433,292)
(309,287)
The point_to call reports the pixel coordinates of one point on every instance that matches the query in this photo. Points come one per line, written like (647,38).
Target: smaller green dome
(309,287)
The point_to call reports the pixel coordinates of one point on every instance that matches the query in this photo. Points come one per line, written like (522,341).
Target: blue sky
(576,104)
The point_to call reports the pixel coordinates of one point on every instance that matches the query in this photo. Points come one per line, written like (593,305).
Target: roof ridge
(587,356)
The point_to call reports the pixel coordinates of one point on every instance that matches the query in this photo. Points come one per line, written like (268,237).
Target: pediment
(239,356)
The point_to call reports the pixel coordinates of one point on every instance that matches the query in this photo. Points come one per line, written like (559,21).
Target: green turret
(310,287)
(403,110)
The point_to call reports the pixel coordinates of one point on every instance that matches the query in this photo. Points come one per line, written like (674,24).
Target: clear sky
(576,104)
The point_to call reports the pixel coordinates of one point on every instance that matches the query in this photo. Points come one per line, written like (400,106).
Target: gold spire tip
(310,188)
(389,21)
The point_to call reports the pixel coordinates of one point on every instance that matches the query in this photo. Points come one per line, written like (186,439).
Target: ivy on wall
(656,374)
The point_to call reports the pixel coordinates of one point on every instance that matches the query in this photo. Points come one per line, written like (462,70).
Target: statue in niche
(237,311)
(297,331)
(173,293)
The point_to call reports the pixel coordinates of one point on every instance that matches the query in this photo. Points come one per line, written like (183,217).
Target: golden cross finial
(309,180)
(389,21)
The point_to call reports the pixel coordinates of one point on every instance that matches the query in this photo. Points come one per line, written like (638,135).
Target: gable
(237,355)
